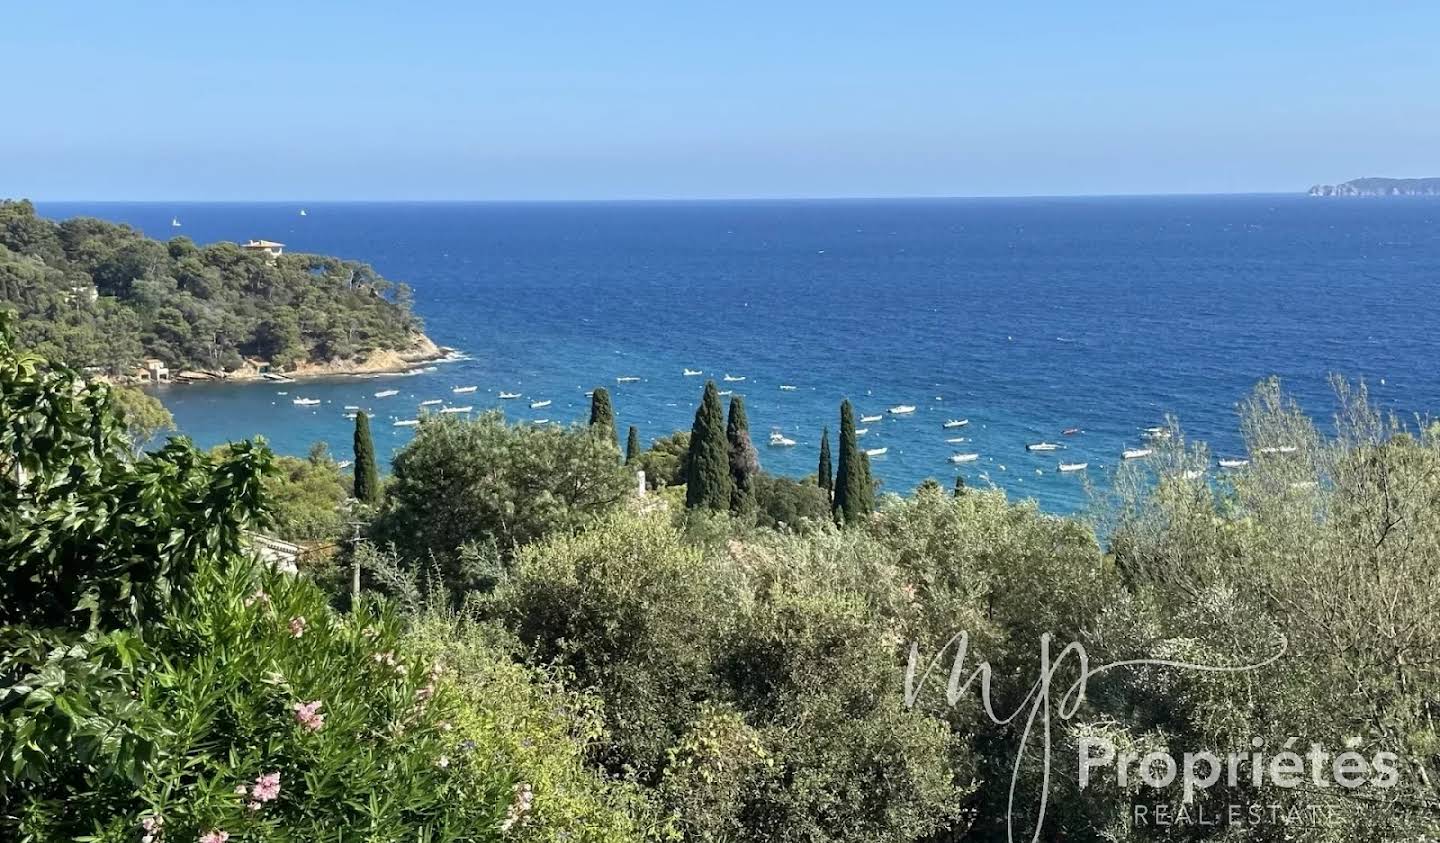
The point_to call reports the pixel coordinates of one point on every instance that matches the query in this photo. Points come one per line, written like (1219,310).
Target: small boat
(352,407)
(959,458)
(350,415)
(174,222)
(1152,431)
(306,402)
(861,431)
(956,440)
(876,452)
(690,373)
(955,423)
(1155,434)
(724,392)
(869,419)
(540,421)
(1136,453)
(628,379)
(1234,463)
(344,464)
(734,378)
(432,402)
(1074,466)
(302,212)
(406,422)
(535,405)
(506,396)
(785,387)
(780,440)
(1279,449)
(902,409)
(1042,446)
(282,392)
(386,393)
(1072,431)
(465,409)
(463,390)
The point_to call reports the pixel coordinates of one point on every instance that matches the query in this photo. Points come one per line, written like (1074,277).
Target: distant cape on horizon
(1375,186)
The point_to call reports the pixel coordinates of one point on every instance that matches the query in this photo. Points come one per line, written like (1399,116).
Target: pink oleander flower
(258,597)
(154,826)
(308,715)
(215,836)
(297,626)
(267,787)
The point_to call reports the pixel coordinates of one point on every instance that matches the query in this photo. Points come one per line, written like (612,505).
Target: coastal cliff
(1380,187)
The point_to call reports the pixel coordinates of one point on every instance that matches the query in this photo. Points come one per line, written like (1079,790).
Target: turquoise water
(1026,316)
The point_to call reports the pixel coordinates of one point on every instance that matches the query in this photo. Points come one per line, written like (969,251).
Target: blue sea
(1025,316)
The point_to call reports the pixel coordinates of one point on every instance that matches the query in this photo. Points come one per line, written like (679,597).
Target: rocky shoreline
(379,362)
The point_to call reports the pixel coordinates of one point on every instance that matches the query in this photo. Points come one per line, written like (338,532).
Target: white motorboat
(861,431)
(1136,453)
(785,387)
(1279,449)
(902,409)
(627,379)
(955,423)
(869,419)
(506,396)
(1234,463)
(734,378)
(1074,466)
(464,390)
(959,458)
(535,405)
(1042,446)
(876,452)
(780,440)
(302,212)
(724,392)
(406,422)
(386,393)
(956,440)
(352,407)
(432,402)
(174,222)
(306,402)
(690,373)
(465,409)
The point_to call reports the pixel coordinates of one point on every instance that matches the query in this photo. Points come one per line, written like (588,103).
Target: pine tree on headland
(707,475)
(744,460)
(367,474)
(824,475)
(602,414)
(632,445)
(851,476)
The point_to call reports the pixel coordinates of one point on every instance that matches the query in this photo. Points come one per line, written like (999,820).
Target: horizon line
(663,199)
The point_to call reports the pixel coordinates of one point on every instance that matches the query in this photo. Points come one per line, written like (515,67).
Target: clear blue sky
(466,99)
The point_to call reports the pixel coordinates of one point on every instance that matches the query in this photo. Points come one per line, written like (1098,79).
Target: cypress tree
(867,486)
(851,476)
(744,460)
(602,414)
(707,473)
(824,476)
(632,445)
(959,485)
(367,475)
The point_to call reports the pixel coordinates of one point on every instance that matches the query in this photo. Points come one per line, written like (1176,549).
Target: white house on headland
(270,247)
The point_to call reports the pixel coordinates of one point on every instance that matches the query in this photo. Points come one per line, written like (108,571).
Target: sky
(469,99)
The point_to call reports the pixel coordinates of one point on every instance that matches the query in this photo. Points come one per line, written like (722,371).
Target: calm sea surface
(1026,316)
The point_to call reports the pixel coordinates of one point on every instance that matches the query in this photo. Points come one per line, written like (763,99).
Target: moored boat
(406,422)
(1071,431)
(953,423)
(506,396)
(465,409)
(785,387)
(780,440)
(535,405)
(386,393)
(902,409)
(1042,446)
(462,390)
(1074,466)
(432,402)
(690,373)
(1234,463)
(305,402)
(1136,453)
(734,378)
(876,452)
(627,379)
(959,458)
(869,419)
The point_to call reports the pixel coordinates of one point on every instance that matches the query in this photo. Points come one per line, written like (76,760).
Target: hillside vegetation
(105,296)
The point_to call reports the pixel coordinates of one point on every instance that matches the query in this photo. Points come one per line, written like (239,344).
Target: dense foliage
(97,294)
